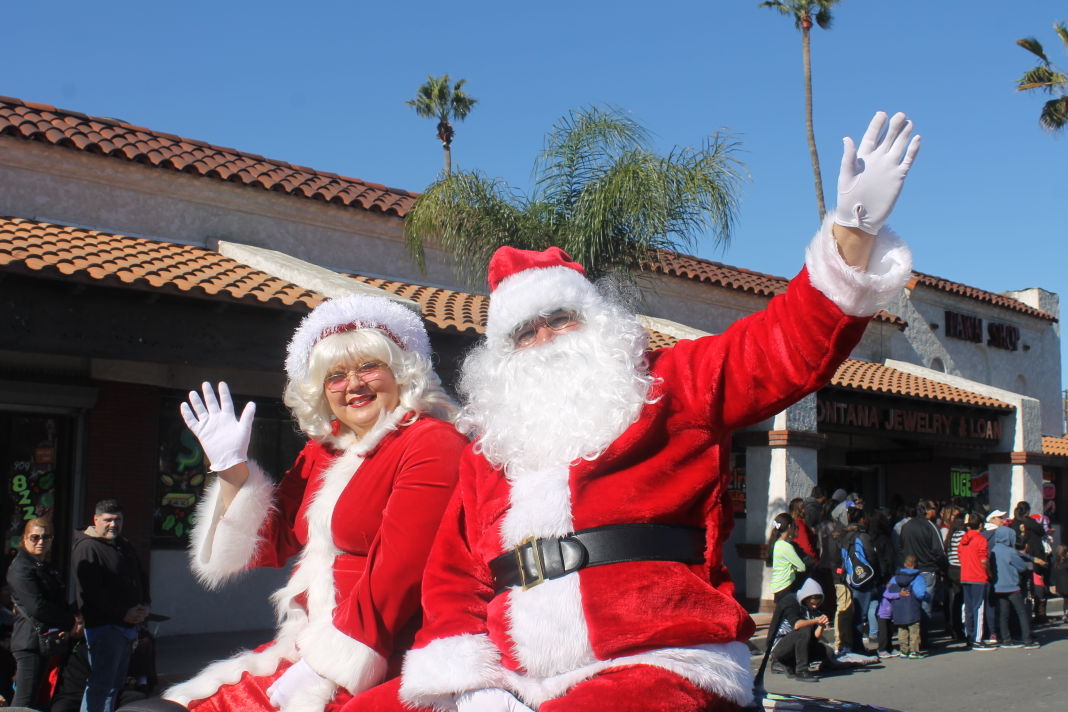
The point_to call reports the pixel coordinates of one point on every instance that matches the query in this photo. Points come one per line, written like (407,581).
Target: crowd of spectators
(884,581)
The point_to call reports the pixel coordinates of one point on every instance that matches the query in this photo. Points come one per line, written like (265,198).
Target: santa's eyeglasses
(525,334)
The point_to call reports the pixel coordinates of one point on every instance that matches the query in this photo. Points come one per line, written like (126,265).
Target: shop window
(183,471)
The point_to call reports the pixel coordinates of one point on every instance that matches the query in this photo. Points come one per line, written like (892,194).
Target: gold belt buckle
(538,563)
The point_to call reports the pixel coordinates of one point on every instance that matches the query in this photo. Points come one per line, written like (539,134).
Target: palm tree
(805,14)
(600,193)
(436,99)
(1047,77)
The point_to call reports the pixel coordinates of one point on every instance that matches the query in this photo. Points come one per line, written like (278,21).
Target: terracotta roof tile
(980,295)
(1055,446)
(738,278)
(36,247)
(110,137)
(447,309)
(877,378)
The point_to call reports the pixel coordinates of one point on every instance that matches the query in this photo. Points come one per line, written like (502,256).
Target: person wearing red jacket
(804,537)
(580,565)
(973,553)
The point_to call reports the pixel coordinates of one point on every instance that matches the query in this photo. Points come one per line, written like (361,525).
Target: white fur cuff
(858,292)
(433,676)
(222,545)
(339,658)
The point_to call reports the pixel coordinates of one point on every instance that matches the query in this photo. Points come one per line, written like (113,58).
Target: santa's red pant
(630,688)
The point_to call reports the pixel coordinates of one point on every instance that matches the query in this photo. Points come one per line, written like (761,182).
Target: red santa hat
(526,283)
(337,316)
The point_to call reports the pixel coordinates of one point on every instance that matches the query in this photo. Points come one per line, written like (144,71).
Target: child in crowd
(911,591)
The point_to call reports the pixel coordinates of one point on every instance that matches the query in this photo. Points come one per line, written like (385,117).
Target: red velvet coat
(670,466)
(354,597)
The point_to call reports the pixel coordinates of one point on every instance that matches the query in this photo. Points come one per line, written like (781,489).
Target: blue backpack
(857,569)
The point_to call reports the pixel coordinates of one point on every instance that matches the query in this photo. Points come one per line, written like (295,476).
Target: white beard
(547,406)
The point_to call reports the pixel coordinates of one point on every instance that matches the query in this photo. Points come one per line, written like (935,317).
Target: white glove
(298,677)
(223,437)
(871,177)
(491,700)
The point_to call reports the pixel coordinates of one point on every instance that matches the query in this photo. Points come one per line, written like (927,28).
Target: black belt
(536,560)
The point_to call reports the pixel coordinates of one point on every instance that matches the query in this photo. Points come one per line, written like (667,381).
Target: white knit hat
(351,313)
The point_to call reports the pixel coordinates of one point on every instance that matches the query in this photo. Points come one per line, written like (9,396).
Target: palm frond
(1040,77)
(469,216)
(1061,29)
(1054,116)
(1034,47)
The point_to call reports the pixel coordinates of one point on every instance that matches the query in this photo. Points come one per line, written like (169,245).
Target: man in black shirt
(920,537)
(797,640)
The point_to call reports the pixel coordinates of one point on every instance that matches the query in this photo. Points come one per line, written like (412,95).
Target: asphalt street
(950,679)
(953,678)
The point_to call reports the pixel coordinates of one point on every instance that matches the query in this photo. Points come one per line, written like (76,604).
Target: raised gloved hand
(223,436)
(490,700)
(299,676)
(871,176)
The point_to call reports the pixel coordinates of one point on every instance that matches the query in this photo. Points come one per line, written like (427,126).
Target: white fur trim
(540,505)
(226,672)
(524,295)
(336,656)
(367,312)
(548,627)
(223,544)
(855,291)
(720,668)
(546,623)
(433,676)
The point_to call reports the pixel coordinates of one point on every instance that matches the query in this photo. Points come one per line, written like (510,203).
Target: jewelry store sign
(917,422)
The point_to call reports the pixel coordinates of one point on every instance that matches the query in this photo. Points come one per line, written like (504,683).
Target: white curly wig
(353,330)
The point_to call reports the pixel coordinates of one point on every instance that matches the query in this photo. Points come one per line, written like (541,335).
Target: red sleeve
(387,595)
(764,362)
(279,534)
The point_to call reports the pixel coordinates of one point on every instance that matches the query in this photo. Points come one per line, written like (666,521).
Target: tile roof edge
(199,142)
(1027,309)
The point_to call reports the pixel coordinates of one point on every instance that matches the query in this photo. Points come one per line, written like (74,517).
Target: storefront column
(777,472)
(1011,483)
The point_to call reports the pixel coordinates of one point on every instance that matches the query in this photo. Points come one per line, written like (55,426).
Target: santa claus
(579,565)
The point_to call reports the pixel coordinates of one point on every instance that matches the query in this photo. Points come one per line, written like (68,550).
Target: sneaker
(1032,645)
(990,641)
(917,655)
(806,676)
(778,667)
(983,646)
(1012,644)
(883,653)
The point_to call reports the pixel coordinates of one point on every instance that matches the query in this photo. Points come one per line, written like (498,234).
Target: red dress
(362,519)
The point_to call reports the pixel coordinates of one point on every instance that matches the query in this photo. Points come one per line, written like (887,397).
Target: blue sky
(323,84)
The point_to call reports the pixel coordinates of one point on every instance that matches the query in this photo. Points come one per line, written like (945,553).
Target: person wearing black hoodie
(113,597)
(796,641)
(921,538)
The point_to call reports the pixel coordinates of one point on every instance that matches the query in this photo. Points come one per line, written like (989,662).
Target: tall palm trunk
(445,133)
(806,25)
